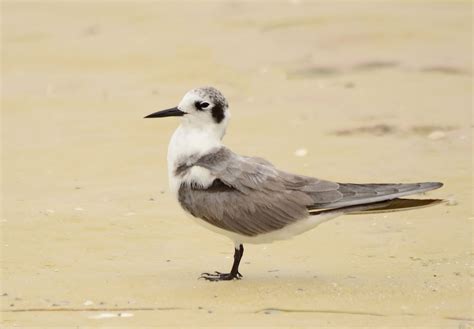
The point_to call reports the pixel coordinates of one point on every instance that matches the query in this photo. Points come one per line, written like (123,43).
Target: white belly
(285,233)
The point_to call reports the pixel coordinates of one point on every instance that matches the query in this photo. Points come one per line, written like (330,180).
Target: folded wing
(251,197)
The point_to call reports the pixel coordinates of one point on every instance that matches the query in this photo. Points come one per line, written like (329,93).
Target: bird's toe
(218,276)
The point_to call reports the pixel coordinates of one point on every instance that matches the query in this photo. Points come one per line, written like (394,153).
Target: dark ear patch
(218,113)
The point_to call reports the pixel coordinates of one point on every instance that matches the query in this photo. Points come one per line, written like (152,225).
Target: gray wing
(250,196)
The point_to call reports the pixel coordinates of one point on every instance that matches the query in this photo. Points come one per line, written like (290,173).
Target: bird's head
(204,108)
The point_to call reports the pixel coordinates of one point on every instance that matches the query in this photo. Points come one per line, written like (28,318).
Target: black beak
(172,112)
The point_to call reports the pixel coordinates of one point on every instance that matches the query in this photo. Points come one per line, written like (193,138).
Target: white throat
(190,141)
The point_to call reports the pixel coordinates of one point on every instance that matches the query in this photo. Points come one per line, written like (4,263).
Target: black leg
(234,272)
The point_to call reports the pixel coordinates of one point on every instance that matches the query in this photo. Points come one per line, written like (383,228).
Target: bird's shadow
(288,280)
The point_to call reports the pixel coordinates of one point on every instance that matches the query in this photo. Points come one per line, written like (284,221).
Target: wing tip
(432,185)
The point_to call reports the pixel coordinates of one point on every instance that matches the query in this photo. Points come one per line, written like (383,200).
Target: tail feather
(382,207)
(399,205)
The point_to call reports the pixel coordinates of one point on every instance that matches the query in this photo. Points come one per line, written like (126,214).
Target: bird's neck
(191,140)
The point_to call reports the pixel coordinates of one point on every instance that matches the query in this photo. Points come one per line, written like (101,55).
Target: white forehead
(187,100)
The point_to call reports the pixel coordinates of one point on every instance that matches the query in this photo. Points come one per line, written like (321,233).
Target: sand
(352,92)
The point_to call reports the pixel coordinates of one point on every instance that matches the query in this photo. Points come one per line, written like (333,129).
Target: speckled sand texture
(352,92)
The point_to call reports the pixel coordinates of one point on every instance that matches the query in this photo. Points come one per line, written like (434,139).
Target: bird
(248,199)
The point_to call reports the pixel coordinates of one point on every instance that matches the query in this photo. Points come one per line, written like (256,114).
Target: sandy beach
(350,92)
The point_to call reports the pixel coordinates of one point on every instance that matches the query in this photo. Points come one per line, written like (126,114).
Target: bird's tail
(397,205)
(383,207)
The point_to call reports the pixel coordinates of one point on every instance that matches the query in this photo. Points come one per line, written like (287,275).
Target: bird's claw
(218,276)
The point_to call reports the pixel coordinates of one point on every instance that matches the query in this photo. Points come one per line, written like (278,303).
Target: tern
(247,198)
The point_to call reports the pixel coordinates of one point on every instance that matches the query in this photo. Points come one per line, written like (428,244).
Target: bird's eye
(204,105)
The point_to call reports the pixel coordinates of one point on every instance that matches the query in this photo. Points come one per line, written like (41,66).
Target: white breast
(188,143)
